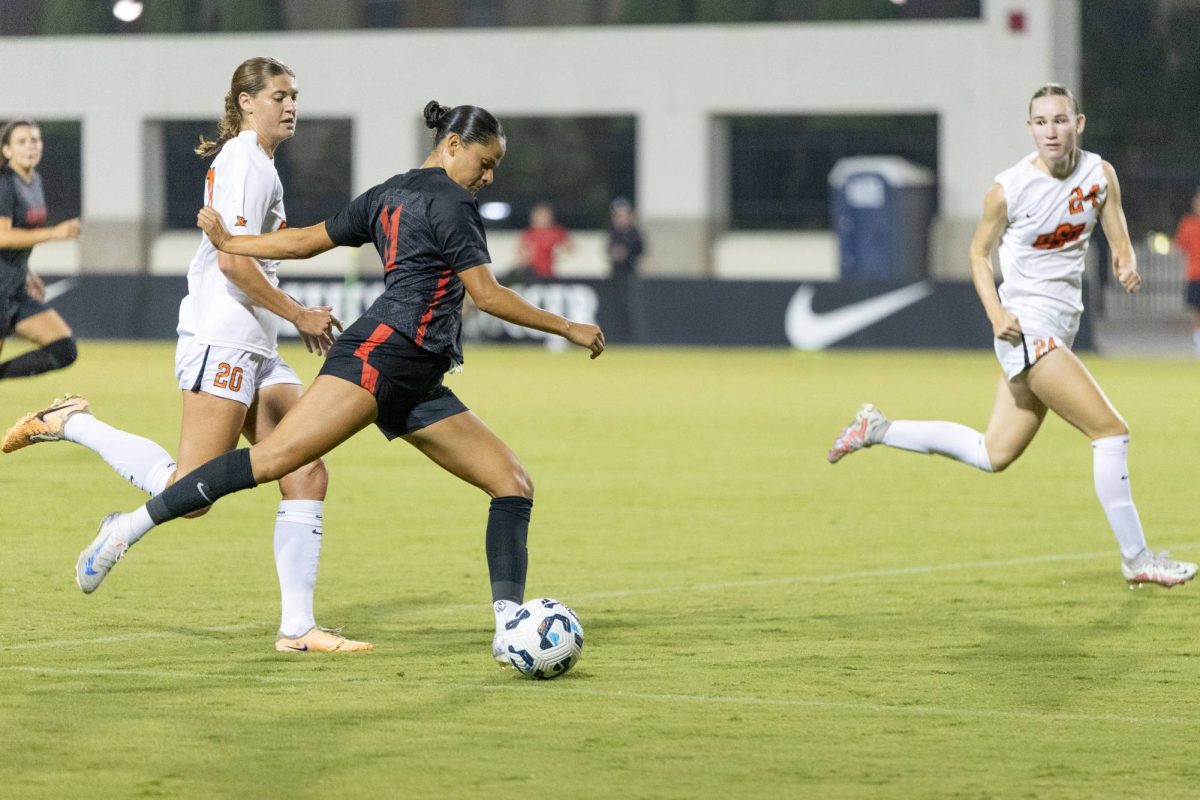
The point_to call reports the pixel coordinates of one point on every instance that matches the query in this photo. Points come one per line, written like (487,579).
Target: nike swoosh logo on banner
(59,288)
(808,330)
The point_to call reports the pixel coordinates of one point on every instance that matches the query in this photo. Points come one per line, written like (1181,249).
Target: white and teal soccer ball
(543,639)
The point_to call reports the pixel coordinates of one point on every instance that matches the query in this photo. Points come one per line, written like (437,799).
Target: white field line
(895,572)
(523,687)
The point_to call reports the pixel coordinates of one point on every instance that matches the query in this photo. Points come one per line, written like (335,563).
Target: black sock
(507,556)
(203,486)
(56,355)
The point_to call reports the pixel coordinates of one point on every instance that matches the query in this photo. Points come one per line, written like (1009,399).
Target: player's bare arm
(502,302)
(19,238)
(285,243)
(1116,230)
(993,222)
(314,324)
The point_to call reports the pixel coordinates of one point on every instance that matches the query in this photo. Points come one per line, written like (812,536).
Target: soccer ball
(543,639)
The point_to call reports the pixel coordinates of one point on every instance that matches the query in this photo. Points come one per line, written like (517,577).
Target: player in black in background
(22,221)
(387,367)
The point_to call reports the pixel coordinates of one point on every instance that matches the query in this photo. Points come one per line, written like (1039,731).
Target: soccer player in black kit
(22,226)
(387,367)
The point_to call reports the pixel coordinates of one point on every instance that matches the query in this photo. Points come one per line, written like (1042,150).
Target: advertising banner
(804,315)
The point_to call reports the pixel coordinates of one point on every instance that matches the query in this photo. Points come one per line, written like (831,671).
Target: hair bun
(434,111)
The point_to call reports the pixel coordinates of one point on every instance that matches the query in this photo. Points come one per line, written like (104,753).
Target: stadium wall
(679,82)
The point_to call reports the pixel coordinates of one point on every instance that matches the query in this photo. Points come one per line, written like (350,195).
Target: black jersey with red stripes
(25,205)
(427,229)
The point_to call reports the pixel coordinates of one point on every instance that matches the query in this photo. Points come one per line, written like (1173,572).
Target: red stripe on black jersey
(391,231)
(369,374)
(438,293)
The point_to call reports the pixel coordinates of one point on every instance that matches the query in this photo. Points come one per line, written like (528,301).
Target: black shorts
(405,379)
(1193,294)
(16,307)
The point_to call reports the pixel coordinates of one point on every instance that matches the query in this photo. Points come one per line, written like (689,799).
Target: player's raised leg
(1063,383)
(1016,416)
(210,426)
(331,411)
(464,446)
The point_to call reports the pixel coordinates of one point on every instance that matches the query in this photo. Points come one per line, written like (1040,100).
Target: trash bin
(881,207)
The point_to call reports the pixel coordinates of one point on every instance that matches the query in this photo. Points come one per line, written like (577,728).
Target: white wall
(975,74)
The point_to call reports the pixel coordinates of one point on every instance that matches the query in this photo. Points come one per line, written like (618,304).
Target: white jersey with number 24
(1042,251)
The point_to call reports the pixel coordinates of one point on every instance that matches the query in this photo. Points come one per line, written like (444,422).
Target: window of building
(314,168)
(779,166)
(577,164)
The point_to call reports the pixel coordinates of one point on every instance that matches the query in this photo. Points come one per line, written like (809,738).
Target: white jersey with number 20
(1050,222)
(243,186)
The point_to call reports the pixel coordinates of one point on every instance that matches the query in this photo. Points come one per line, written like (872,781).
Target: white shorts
(1016,358)
(226,371)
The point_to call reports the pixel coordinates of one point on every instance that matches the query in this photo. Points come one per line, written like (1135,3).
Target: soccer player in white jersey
(1043,210)
(232,379)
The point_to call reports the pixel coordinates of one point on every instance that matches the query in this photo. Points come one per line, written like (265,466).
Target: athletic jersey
(427,229)
(25,205)
(244,187)
(1050,222)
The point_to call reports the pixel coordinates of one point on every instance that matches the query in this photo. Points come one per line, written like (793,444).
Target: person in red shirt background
(540,243)
(1187,240)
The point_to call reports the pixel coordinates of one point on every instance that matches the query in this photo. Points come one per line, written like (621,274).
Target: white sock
(297,554)
(134,525)
(1196,340)
(948,439)
(504,610)
(136,459)
(1110,467)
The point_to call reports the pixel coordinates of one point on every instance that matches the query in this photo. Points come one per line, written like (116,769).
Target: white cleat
(867,429)
(500,651)
(100,556)
(1151,567)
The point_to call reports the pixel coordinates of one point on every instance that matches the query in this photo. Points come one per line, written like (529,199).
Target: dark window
(314,168)
(779,166)
(577,164)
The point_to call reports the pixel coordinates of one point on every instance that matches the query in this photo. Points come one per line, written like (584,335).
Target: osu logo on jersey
(1062,235)
(240,222)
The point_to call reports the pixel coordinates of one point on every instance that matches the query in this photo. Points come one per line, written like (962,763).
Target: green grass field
(758,622)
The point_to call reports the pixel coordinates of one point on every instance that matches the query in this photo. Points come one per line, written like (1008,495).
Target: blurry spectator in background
(23,309)
(624,249)
(540,243)
(1187,239)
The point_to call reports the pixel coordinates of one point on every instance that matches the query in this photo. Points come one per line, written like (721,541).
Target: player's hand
(584,335)
(322,344)
(213,226)
(1128,277)
(35,287)
(67,229)
(316,322)
(1006,326)
(317,344)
